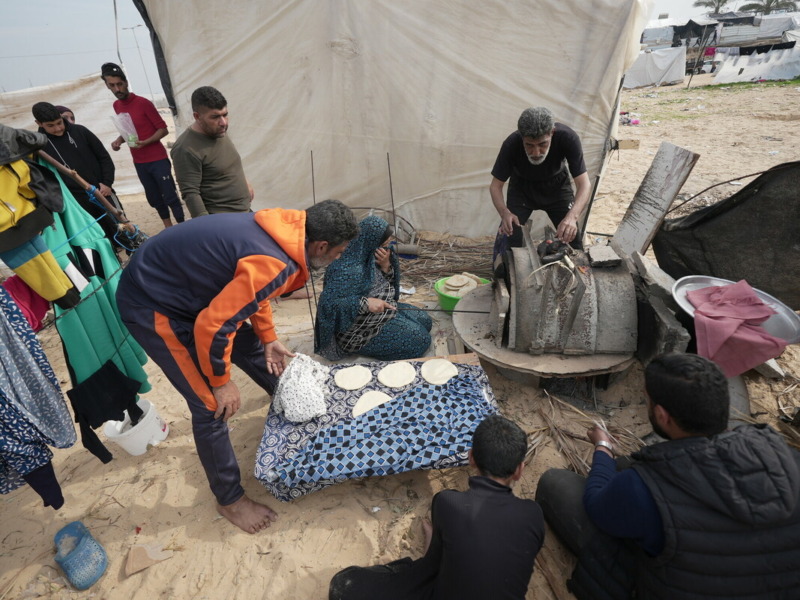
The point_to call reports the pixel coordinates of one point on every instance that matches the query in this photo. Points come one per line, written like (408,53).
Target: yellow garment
(16,198)
(42,272)
(45,277)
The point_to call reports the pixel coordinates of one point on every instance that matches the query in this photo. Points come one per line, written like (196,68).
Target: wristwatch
(605,444)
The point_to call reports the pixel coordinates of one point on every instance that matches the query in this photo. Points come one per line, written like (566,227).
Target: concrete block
(656,281)
(616,310)
(770,370)
(659,330)
(603,256)
(667,174)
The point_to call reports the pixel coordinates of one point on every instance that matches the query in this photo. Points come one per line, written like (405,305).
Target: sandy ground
(163,496)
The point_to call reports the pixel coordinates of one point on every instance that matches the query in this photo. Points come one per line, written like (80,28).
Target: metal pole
(313,183)
(135,39)
(391,194)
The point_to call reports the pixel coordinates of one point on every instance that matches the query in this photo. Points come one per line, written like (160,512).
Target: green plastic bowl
(446,301)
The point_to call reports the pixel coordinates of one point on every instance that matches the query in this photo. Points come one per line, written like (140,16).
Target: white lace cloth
(302,389)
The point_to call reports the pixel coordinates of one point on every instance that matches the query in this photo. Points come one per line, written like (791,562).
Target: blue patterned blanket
(424,426)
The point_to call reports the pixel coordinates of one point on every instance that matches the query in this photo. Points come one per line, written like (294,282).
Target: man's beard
(315,266)
(658,429)
(537,161)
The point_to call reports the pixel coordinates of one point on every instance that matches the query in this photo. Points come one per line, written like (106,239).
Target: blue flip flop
(79,555)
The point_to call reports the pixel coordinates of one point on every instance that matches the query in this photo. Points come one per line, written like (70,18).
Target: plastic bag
(127,130)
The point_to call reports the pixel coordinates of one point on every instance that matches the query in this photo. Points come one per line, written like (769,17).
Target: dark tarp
(747,50)
(734,18)
(161,61)
(752,235)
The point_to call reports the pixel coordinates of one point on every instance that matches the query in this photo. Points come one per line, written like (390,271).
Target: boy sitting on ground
(482,542)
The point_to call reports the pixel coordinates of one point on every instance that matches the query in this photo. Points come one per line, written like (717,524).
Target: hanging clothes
(33,414)
(92,332)
(27,199)
(32,305)
(103,397)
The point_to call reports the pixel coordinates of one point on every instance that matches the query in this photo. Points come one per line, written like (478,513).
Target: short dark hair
(44,112)
(331,221)
(112,70)
(692,389)
(498,446)
(208,97)
(535,122)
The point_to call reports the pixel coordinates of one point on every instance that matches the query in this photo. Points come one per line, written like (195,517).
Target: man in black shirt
(77,148)
(483,543)
(532,158)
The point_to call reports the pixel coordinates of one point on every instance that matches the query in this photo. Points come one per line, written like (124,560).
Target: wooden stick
(556,582)
(112,210)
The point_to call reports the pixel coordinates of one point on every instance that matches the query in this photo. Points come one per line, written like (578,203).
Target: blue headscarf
(347,280)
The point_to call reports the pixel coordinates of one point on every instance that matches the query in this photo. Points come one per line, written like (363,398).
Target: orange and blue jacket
(219,271)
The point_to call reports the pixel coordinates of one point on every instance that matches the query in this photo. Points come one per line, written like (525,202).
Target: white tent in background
(91,102)
(657,67)
(766,27)
(772,65)
(792,35)
(437,85)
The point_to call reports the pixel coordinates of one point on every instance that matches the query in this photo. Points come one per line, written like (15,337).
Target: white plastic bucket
(151,429)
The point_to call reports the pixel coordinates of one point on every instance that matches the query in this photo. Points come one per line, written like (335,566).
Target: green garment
(92,332)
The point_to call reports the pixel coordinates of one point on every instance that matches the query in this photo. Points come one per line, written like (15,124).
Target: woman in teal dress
(357,311)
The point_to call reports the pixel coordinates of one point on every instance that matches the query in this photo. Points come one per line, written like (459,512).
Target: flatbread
(438,371)
(463,290)
(397,374)
(474,278)
(352,378)
(370,400)
(456,281)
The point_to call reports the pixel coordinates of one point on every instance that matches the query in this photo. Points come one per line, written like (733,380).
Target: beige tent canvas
(426,87)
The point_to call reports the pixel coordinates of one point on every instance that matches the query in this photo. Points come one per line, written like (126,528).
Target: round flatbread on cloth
(397,374)
(438,371)
(352,378)
(370,400)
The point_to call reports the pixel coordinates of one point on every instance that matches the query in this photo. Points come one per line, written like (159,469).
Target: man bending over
(187,295)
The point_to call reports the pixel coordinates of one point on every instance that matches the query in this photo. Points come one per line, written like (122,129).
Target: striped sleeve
(257,278)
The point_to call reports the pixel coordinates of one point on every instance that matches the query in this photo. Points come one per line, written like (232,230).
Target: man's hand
(104,189)
(596,434)
(568,228)
(116,144)
(276,354)
(507,223)
(382,256)
(228,400)
(376,305)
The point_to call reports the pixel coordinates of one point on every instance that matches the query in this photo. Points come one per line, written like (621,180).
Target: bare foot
(427,530)
(248,515)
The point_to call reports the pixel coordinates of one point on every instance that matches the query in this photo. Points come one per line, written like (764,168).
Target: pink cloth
(727,323)
(32,305)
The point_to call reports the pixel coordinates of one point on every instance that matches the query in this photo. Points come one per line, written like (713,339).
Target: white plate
(785,324)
